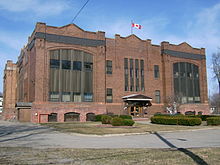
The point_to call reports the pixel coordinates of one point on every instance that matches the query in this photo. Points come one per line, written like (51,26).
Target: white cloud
(13,40)
(38,7)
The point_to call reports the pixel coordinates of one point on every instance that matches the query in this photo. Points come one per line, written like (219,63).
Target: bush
(128,122)
(106,119)
(98,117)
(176,120)
(204,117)
(189,121)
(125,116)
(164,120)
(213,121)
(117,121)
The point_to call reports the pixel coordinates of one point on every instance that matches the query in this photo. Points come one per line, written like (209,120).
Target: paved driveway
(13,134)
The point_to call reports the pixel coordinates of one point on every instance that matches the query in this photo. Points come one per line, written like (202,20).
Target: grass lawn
(19,155)
(98,129)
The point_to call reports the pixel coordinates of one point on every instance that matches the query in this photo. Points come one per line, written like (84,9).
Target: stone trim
(66,40)
(183,54)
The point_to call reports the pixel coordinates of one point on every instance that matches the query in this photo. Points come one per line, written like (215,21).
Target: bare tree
(215,102)
(173,103)
(216,67)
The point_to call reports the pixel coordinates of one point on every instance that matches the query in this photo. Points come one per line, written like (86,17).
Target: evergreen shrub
(176,120)
(98,117)
(106,119)
(213,121)
(125,116)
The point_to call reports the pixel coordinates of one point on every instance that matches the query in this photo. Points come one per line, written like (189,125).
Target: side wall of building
(10,91)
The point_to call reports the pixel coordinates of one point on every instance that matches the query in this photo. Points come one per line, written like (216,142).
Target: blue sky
(194,21)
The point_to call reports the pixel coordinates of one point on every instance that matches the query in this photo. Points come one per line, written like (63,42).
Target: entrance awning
(137,100)
(23,105)
(136,97)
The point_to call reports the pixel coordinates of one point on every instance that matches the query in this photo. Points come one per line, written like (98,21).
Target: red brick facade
(31,81)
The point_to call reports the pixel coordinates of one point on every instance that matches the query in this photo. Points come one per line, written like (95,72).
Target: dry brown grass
(106,156)
(95,128)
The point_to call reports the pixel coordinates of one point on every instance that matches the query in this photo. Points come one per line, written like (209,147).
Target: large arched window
(186,82)
(71,76)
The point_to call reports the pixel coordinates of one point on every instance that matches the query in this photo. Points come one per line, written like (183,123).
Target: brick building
(1,102)
(66,73)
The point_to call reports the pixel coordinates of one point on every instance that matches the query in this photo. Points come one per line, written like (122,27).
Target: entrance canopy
(137,99)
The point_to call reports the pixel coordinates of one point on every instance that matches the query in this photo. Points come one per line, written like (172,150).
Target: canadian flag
(138,26)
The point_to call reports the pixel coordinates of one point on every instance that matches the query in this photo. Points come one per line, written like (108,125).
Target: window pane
(66,64)
(77,97)
(66,96)
(109,67)
(131,75)
(109,95)
(142,74)
(126,73)
(54,96)
(88,97)
(156,71)
(88,66)
(175,70)
(157,96)
(77,65)
(54,63)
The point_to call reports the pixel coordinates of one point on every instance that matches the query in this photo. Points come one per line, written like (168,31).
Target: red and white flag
(138,26)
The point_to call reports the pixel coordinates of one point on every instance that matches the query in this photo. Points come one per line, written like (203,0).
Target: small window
(156,71)
(88,66)
(126,74)
(52,117)
(77,65)
(54,63)
(77,97)
(108,67)
(88,97)
(66,97)
(66,64)
(54,96)
(157,96)
(109,95)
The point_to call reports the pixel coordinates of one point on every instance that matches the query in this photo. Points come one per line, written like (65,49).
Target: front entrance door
(136,111)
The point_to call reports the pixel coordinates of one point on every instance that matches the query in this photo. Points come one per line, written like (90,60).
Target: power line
(80,11)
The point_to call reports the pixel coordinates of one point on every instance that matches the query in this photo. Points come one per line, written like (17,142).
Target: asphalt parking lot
(15,134)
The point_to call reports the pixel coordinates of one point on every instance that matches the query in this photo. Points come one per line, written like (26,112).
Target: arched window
(90,117)
(71,76)
(71,116)
(186,82)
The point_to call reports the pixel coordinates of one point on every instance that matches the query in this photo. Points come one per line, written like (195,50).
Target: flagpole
(131,27)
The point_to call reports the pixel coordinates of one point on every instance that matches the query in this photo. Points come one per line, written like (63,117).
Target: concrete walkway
(14,134)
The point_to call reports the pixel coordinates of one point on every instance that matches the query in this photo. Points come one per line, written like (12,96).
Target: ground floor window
(71,116)
(52,117)
(90,117)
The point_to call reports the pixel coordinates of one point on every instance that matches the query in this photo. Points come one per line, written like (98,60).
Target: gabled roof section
(72,27)
(133,36)
(185,44)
